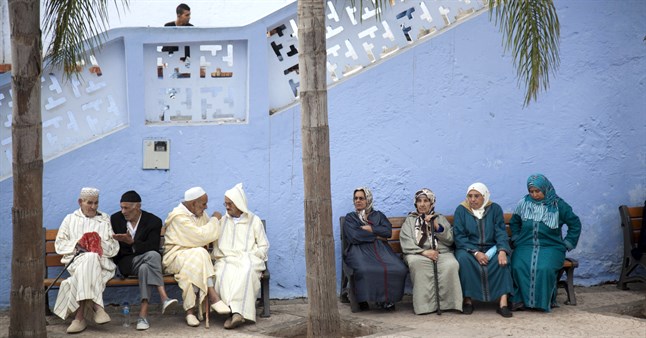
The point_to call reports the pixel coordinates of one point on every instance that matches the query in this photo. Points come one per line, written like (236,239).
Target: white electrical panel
(157,154)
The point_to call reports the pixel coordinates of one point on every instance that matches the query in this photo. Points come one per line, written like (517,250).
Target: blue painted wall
(441,115)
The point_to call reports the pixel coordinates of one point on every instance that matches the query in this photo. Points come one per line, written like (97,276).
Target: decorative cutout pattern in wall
(75,111)
(355,39)
(198,82)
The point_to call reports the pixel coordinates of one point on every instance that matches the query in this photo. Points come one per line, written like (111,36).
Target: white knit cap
(89,192)
(194,193)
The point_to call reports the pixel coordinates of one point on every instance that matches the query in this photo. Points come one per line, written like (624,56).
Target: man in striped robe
(92,268)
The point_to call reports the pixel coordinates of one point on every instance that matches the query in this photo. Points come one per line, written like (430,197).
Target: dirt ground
(601,311)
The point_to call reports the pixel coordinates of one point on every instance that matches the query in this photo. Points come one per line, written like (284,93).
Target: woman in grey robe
(417,241)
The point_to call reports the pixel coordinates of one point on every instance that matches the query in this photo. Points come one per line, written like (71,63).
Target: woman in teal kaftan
(539,246)
(482,249)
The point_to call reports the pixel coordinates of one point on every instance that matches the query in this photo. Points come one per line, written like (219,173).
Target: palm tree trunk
(27,316)
(323,317)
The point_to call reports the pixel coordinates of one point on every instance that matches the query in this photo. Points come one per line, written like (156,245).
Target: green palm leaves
(531,31)
(72,23)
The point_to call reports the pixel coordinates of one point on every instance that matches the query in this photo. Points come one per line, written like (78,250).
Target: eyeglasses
(359,198)
(227,204)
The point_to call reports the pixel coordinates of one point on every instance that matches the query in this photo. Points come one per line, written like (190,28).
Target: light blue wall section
(441,115)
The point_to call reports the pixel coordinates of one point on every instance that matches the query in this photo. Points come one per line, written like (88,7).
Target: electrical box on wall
(157,154)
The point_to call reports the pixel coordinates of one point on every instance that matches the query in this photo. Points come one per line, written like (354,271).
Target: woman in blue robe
(379,274)
(539,246)
(482,249)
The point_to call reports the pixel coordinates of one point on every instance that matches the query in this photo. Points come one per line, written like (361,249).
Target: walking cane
(437,285)
(64,269)
(206,302)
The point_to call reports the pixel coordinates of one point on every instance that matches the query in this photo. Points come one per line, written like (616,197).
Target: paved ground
(601,311)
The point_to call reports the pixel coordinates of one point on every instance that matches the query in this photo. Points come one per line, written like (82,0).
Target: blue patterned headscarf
(545,210)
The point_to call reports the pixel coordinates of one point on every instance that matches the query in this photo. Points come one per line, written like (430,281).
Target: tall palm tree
(27,317)
(323,316)
(70,23)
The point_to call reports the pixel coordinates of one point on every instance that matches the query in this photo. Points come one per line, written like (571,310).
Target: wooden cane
(437,286)
(206,302)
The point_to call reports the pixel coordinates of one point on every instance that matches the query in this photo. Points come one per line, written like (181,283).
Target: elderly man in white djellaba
(188,229)
(240,253)
(85,239)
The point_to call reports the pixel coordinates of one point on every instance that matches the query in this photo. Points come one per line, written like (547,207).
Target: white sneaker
(142,324)
(191,320)
(168,302)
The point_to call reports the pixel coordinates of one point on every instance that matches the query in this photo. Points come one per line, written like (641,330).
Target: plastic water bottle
(126,314)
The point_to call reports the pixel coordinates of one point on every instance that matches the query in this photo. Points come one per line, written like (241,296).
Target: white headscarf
(238,197)
(481,188)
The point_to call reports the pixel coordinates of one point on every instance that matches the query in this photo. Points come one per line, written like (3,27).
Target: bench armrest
(575,263)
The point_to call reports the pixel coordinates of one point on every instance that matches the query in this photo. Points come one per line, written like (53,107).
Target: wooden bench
(631,223)
(53,260)
(346,283)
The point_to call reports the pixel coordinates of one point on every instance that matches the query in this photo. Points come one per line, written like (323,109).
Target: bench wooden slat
(636,223)
(53,260)
(397,222)
(395,235)
(635,212)
(396,246)
(50,234)
(130,281)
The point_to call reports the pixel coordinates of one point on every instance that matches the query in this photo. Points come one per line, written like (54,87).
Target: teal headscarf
(545,210)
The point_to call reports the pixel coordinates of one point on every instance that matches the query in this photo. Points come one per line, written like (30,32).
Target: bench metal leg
(343,293)
(48,312)
(354,305)
(629,266)
(264,294)
(569,286)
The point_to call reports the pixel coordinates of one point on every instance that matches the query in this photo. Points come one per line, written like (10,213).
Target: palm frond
(531,31)
(77,28)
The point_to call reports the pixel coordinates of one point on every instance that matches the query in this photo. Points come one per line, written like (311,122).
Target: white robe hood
(238,197)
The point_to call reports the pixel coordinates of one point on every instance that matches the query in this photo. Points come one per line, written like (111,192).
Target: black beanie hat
(130,196)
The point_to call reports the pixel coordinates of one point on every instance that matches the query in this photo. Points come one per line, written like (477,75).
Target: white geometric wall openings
(75,111)
(356,39)
(198,82)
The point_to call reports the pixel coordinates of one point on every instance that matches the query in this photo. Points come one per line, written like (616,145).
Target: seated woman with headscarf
(379,274)
(482,249)
(427,239)
(539,246)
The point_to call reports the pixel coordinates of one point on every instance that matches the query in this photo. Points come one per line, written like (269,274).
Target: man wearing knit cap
(188,229)
(138,233)
(240,252)
(86,233)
